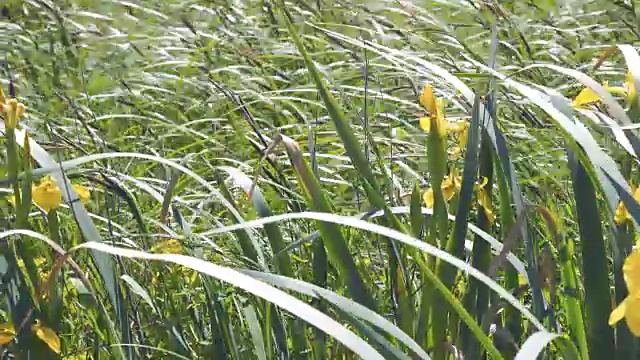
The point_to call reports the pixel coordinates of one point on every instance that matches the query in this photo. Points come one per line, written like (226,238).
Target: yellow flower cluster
(452,183)
(587,97)
(12,109)
(629,308)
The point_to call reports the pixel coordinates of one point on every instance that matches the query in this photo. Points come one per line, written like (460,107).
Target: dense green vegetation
(292,179)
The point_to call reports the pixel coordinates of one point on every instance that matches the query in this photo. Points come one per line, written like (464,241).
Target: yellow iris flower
(47,194)
(451,185)
(12,109)
(435,107)
(629,307)
(83,192)
(587,97)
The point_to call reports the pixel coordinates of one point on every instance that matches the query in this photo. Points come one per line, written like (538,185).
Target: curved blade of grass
(633,62)
(139,290)
(357,156)
(477,298)
(500,146)
(343,303)
(398,236)
(535,344)
(388,349)
(258,288)
(53,168)
(616,110)
(496,245)
(250,249)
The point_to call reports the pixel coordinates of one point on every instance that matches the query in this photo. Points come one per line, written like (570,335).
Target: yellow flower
(585,98)
(628,308)
(630,89)
(7,333)
(12,200)
(487,206)
(428,100)
(588,97)
(170,246)
(47,195)
(461,129)
(450,186)
(13,110)
(435,107)
(83,192)
(428,198)
(622,214)
(47,335)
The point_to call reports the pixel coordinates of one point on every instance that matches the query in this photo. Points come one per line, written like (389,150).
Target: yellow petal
(586,97)
(47,195)
(522,281)
(83,193)
(441,123)
(448,188)
(618,90)
(12,200)
(428,100)
(457,180)
(463,136)
(487,206)
(636,194)
(622,215)
(7,333)
(618,313)
(425,124)
(631,271)
(630,87)
(632,313)
(47,335)
(428,198)
(483,182)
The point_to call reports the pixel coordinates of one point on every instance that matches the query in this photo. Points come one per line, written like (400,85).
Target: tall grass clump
(288,179)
